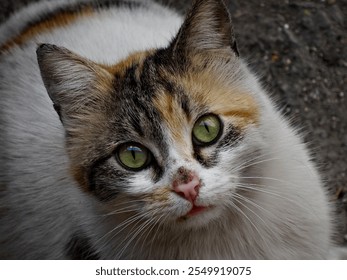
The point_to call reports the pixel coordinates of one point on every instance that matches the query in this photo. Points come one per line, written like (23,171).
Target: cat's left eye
(207,130)
(133,156)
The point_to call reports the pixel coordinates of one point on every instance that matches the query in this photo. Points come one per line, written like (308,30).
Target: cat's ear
(206,27)
(76,85)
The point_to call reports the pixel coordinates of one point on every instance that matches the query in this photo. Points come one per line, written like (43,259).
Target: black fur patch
(79,248)
(231,138)
(207,162)
(105,182)
(57,108)
(185,104)
(133,102)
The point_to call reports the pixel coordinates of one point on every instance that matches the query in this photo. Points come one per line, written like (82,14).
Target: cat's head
(162,133)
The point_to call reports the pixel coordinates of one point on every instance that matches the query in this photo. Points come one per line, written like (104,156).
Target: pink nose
(186,184)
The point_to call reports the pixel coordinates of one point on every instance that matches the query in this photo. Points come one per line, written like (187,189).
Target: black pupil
(206,127)
(133,153)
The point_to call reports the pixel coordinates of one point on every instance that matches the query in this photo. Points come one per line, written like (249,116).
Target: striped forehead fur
(212,85)
(208,85)
(142,94)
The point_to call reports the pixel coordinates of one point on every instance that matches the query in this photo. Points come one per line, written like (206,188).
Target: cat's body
(259,194)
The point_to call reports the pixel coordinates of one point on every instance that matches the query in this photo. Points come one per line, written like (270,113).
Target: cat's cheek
(140,183)
(160,202)
(223,175)
(165,206)
(215,199)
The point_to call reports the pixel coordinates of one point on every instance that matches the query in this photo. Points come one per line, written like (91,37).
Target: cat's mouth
(196,210)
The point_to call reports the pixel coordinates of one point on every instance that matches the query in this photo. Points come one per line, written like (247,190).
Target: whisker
(123,210)
(155,234)
(248,200)
(245,215)
(248,163)
(123,225)
(156,222)
(129,205)
(252,187)
(140,229)
(242,166)
(271,179)
(266,225)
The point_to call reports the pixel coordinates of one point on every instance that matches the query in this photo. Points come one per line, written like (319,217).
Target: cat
(128,132)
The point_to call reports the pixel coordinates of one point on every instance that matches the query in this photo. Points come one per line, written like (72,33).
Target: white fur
(289,219)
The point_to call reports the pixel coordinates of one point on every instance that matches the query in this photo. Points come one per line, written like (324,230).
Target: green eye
(133,156)
(207,130)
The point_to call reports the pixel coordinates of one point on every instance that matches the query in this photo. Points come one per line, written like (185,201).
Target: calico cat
(129,133)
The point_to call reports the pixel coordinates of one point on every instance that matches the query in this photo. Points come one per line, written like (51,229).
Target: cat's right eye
(207,130)
(133,156)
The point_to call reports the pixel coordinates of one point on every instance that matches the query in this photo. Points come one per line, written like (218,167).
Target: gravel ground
(299,49)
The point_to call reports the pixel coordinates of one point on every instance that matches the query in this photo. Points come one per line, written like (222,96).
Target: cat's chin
(199,217)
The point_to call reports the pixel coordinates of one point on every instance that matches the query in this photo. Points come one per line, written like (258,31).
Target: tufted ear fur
(206,27)
(76,85)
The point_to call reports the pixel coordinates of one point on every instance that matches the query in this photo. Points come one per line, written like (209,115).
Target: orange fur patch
(59,20)
(84,138)
(161,194)
(92,122)
(134,58)
(208,90)
(176,121)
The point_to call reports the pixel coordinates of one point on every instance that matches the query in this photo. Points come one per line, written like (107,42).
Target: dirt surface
(299,50)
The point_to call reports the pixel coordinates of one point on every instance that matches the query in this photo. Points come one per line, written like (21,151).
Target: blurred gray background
(299,49)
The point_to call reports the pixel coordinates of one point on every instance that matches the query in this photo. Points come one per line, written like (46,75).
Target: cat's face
(178,139)
(161,135)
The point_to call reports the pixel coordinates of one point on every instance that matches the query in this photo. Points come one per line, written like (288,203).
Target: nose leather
(187,185)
